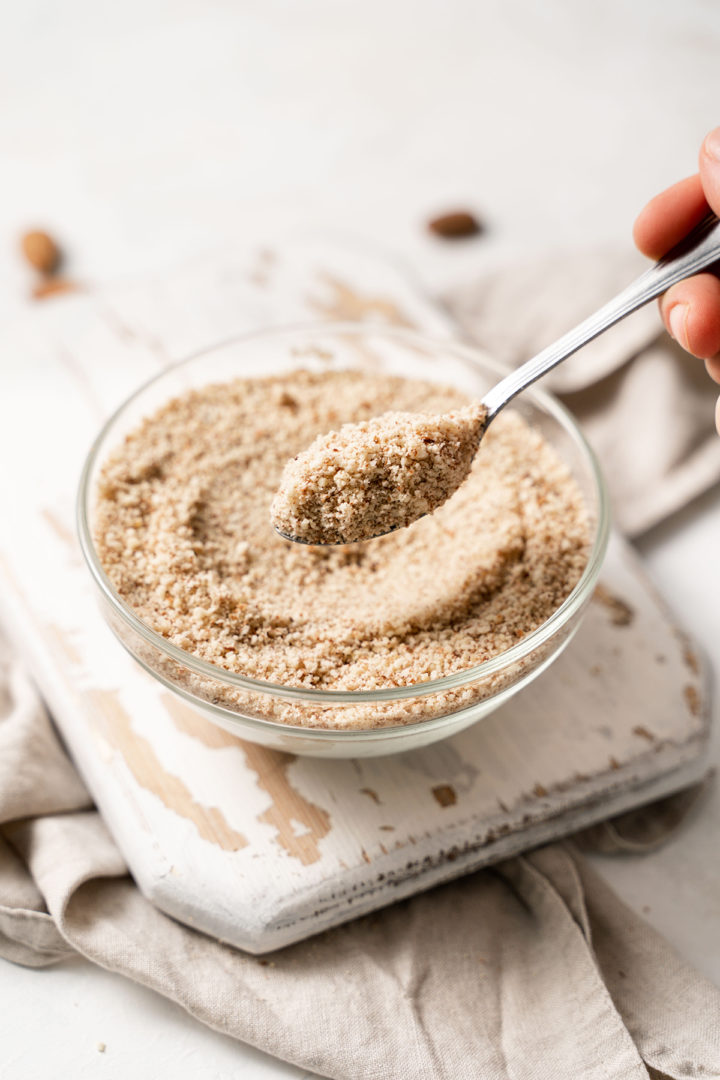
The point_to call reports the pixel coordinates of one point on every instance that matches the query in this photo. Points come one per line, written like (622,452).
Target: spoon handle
(699,249)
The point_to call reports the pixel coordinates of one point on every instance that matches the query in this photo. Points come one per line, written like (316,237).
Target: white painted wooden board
(253,846)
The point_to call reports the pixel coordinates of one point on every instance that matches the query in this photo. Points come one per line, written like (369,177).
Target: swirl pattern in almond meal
(182,529)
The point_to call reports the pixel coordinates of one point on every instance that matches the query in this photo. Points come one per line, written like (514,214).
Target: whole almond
(456,225)
(41,251)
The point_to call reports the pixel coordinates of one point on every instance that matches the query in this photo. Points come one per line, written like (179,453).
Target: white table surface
(145,133)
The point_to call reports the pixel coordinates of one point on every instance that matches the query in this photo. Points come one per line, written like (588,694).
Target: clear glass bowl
(241,704)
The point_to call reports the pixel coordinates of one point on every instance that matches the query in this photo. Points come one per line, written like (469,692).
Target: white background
(144,133)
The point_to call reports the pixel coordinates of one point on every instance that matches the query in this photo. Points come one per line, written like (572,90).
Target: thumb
(691,309)
(710,169)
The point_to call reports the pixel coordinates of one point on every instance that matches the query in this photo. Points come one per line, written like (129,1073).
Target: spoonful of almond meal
(373,477)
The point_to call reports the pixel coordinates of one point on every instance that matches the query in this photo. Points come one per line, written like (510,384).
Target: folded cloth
(645,405)
(533,968)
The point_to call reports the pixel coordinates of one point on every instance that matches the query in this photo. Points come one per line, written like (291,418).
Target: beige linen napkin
(645,405)
(531,970)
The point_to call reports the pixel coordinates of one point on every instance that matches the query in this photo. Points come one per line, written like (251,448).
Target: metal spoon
(698,250)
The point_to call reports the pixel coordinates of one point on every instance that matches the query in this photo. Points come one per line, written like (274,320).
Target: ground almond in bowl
(182,528)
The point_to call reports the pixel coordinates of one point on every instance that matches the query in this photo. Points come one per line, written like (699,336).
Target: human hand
(690,309)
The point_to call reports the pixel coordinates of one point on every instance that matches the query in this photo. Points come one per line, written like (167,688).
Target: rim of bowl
(527,645)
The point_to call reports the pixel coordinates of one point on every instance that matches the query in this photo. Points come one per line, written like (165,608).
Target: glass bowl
(248,707)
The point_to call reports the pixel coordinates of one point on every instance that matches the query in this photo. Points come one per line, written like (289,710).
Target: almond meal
(182,529)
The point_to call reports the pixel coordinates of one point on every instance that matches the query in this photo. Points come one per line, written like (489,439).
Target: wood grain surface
(255,846)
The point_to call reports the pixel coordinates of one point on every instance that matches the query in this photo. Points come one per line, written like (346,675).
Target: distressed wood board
(253,846)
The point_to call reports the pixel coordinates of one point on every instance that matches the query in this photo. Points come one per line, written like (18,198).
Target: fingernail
(678,323)
(712,144)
